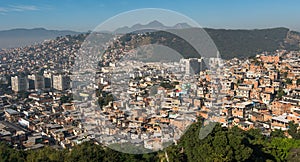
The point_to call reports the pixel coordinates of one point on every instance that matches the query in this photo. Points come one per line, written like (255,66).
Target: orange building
(280,107)
(270,59)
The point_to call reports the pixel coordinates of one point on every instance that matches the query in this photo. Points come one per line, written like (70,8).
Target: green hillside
(230,43)
(245,43)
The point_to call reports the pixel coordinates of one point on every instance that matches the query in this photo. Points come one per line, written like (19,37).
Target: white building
(61,82)
(192,65)
(19,83)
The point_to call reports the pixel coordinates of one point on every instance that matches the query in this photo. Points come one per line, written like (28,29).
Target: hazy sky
(86,15)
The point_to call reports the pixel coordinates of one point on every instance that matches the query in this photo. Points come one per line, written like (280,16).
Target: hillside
(245,43)
(230,43)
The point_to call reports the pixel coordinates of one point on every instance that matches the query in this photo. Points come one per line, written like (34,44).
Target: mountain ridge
(151,25)
(230,42)
(233,43)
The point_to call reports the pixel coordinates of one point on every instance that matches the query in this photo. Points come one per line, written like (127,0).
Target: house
(246,125)
(11,115)
(280,107)
(267,97)
(68,107)
(255,116)
(244,90)
(280,122)
(242,110)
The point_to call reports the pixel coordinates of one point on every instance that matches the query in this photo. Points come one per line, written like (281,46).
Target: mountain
(247,43)
(292,40)
(21,37)
(230,43)
(151,25)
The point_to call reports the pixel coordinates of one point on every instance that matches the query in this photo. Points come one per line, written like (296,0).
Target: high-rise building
(192,65)
(36,81)
(19,83)
(61,82)
(48,79)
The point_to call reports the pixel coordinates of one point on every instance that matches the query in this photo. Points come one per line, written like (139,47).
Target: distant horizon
(124,26)
(11,38)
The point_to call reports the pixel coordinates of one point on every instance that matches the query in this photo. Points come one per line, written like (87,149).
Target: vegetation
(280,93)
(293,131)
(245,43)
(167,85)
(65,99)
(298,82)
(285,74)
(239,43)
(277,133)
(288,81)
(105,99)
(222,144)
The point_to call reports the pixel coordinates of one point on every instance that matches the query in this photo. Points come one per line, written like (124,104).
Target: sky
(84,15)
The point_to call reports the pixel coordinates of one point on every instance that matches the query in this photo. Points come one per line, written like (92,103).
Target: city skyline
(84,16)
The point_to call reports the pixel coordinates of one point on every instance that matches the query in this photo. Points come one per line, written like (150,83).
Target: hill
(246,43)
(230,43)
(21,37)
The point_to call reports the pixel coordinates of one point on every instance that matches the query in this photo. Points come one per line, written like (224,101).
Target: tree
(65,99)
(298,82)
(86,152)
(293,130)
(280,93)
(221,144)
(105,99)
(9,154)
(285,74)
(277,133)
(288,81)
(46,154)
(280,147)
(167,85)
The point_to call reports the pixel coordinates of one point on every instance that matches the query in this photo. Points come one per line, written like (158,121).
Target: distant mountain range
(21,37)
(151,25)
(231,43)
